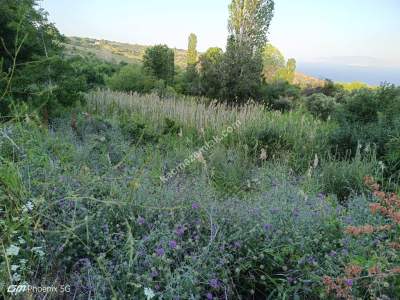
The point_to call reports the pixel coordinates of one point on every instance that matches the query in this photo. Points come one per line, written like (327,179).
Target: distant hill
(133,53)
(115,51)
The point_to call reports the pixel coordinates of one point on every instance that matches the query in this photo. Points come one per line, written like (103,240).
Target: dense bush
(109,222)
(159,61)
(345,178)
(33,69)
(370,118)
(274,93)
(320,105)
(131,78)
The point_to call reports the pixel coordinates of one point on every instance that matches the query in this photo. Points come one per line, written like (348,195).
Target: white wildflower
(12,250)
(263,155)
(38,251)
(316,161)
(14,268)
(149,293)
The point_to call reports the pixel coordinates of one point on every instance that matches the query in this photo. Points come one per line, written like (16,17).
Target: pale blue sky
(308,30)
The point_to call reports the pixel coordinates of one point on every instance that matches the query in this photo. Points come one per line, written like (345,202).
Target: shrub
(131,78)
(230,171)
(272,92)
(320,106)
(344,178)
(369,272)
(360,107)
(158,61)
(283,104)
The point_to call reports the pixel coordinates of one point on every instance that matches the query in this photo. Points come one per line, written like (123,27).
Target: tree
(288,72)
(210,72)
(291,69)
(131,78)
(34,70)
(192,51)
(240,73)
(273,62)
(248,25)
(249,21)
(158,61)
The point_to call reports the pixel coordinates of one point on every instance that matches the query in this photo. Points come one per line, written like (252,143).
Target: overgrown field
(263,212)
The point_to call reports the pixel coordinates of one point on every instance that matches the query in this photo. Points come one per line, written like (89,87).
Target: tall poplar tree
(192,50)
(248,25)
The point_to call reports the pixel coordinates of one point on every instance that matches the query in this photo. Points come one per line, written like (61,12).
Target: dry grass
(192,112)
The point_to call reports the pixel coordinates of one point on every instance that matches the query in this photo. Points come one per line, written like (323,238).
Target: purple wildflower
(140,221)
(214,283)
(160,251)
(274,210)
(172,244)
(195,206)
(180,230)
(154,274)
(237,244)
(209,296)
(267,227)
(296,212)
(332,253)
(349,282)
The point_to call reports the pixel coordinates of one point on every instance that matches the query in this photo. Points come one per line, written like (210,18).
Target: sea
(371,75)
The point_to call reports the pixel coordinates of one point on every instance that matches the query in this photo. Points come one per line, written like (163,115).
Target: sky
(351,32)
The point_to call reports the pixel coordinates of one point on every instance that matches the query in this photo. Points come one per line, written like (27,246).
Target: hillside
(115,51)
(133,53)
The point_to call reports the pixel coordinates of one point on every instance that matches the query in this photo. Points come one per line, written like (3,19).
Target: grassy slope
(85,206)
(114,51)
(133,53)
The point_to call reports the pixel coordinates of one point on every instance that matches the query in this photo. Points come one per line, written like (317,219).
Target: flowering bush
(89,209)
(376,273)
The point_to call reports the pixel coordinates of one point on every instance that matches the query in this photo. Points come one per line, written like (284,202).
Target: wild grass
(84,205)
(192,112)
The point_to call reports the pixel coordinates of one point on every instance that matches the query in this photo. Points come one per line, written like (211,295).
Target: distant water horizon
(371,75)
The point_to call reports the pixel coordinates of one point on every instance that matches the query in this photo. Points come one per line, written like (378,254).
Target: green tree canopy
(249,21)
(192,50)
(158,61)
(248,25)
(32,66)
(273,62)
(210,72)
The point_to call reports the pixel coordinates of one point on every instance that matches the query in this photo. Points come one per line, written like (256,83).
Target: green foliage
(23,24)
(192,51)
(132,78)
(242,64)
(210,72)
(320,105)
(240,73)
(249,22)
(190,81)
(369,117)
(230,171)
(158,61)
(280,95)
(273,62)
(95,71)
(346,177)
(36,71)
(288,72)
(274,66)
(353,86)
(329,89)
(361,107)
